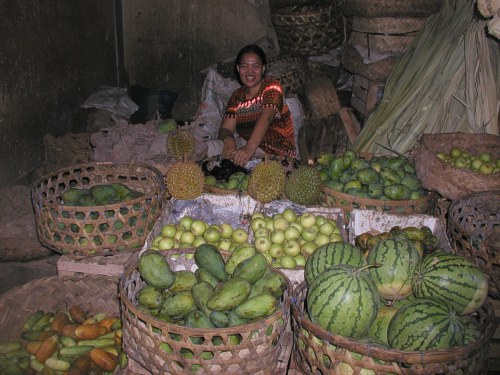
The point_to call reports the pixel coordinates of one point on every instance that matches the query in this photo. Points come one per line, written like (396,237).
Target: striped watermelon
(343,300)
(451,278)
(397,258)
(378,329)
(329,255)
(426,324)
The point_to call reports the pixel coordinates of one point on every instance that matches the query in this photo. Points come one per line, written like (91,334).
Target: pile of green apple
(190,232)
(288,239)
(237,181)
(482,163)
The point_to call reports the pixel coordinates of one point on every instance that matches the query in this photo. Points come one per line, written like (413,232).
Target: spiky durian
(303,185)
(266,181)
(185,180)
(181,144)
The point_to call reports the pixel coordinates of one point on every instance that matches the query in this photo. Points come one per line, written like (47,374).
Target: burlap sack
(447,180)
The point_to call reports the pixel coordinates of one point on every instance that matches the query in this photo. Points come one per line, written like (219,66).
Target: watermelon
(378,329)
(398,259)
(426,324)
(472,329)
(451,278)
(343,300)
(329,255)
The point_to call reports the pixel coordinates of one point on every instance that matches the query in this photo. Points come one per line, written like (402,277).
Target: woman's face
(251,70)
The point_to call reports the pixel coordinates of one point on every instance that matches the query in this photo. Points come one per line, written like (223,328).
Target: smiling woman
(257,111)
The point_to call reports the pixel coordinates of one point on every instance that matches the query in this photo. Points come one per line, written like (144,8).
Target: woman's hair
(254,49)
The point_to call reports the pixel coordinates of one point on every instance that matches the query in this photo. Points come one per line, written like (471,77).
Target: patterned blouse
(279,139)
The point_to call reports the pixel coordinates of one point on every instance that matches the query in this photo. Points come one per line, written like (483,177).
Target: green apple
(270,224)
(485,156)
(198,241)
(166,243)
(258,222)
(300,260)
(178,234)
(185,222)
(297,225)
(309,234)
(156,240)
(291,248)
(292,233)
(168,230)
(336,237)
(320,220)
(327,228)
(224,244)
(226,230)
(187,237)
(262,244)
(287,261)
(280,222)
(257,214)
(261,232)
(307,219)
(322,239)
(269,258)
(212,235)
(210,180)
(277,236)
(476,164)
(307,248)
(239,235)
(276,250)
(486,168)
(198,227)
(289,215)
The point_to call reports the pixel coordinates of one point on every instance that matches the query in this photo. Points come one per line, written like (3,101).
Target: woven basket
(391,8)
(290,71)
(471,223)
(95,294)
(454,183)
(308,29)
(318,351)
(264,348)
(78,231)
(377,71)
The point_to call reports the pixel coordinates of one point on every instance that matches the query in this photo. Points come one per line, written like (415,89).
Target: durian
(181,145)
(185,180)
(303,185)
(266,181)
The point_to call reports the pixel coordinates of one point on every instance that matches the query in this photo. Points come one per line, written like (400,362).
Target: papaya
(251,269)
(70,197)
(178,305)
(121,189)
(103,193)
(230,294)
(154,269)
(184,280)
(208,256)
(86,200)
(261,305)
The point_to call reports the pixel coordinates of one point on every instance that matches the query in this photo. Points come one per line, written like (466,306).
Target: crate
(366,95)
(112,265)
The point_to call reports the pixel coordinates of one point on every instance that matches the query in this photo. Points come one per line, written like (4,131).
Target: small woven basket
(290,71)
(94,294)
(80,232)
(307,29)
(264,347)
(392,8)
(472,221)
(318,351)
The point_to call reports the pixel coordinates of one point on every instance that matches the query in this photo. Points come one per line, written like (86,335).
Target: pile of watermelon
(394,296)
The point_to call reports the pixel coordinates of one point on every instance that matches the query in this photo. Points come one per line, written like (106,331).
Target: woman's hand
(229,149)
(243,155)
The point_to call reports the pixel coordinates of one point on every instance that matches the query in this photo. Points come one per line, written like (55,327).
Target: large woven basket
(454,183)
(78,231)
(473,224)
(392,8)
(308,29)
(377,71)
(265,345)
(290,71)
(318,351)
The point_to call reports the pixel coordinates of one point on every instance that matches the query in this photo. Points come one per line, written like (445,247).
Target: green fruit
(219,319)
(367,176)
(155,270)
(201,292)
(332,254)
(251,269)
(70,197)
(184,280)
(167,126)
(202,274)
(452,279)
(426,324)
(209,257)
(103,194)
(210,180)
(397,192)
(272,283)
(455,152)
(229,294)
(343,300)
(261,305)
(238,255)
(178,305)
(485,156)
(379,327)
(150,296)
(336,168)
(197,319)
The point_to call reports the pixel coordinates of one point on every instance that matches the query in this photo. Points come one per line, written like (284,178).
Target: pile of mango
(381,177)
(422,238)
(218,294)
(69,342)
(99,195)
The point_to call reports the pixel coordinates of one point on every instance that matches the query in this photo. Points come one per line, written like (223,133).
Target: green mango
(154,269)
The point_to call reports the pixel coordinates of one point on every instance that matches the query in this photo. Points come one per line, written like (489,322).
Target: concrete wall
(168,42)
(53,54)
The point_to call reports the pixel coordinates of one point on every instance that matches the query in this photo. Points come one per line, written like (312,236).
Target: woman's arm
(244,154)
(226,135)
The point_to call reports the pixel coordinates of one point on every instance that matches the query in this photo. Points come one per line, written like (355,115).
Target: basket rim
(390,354)
(189,331)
